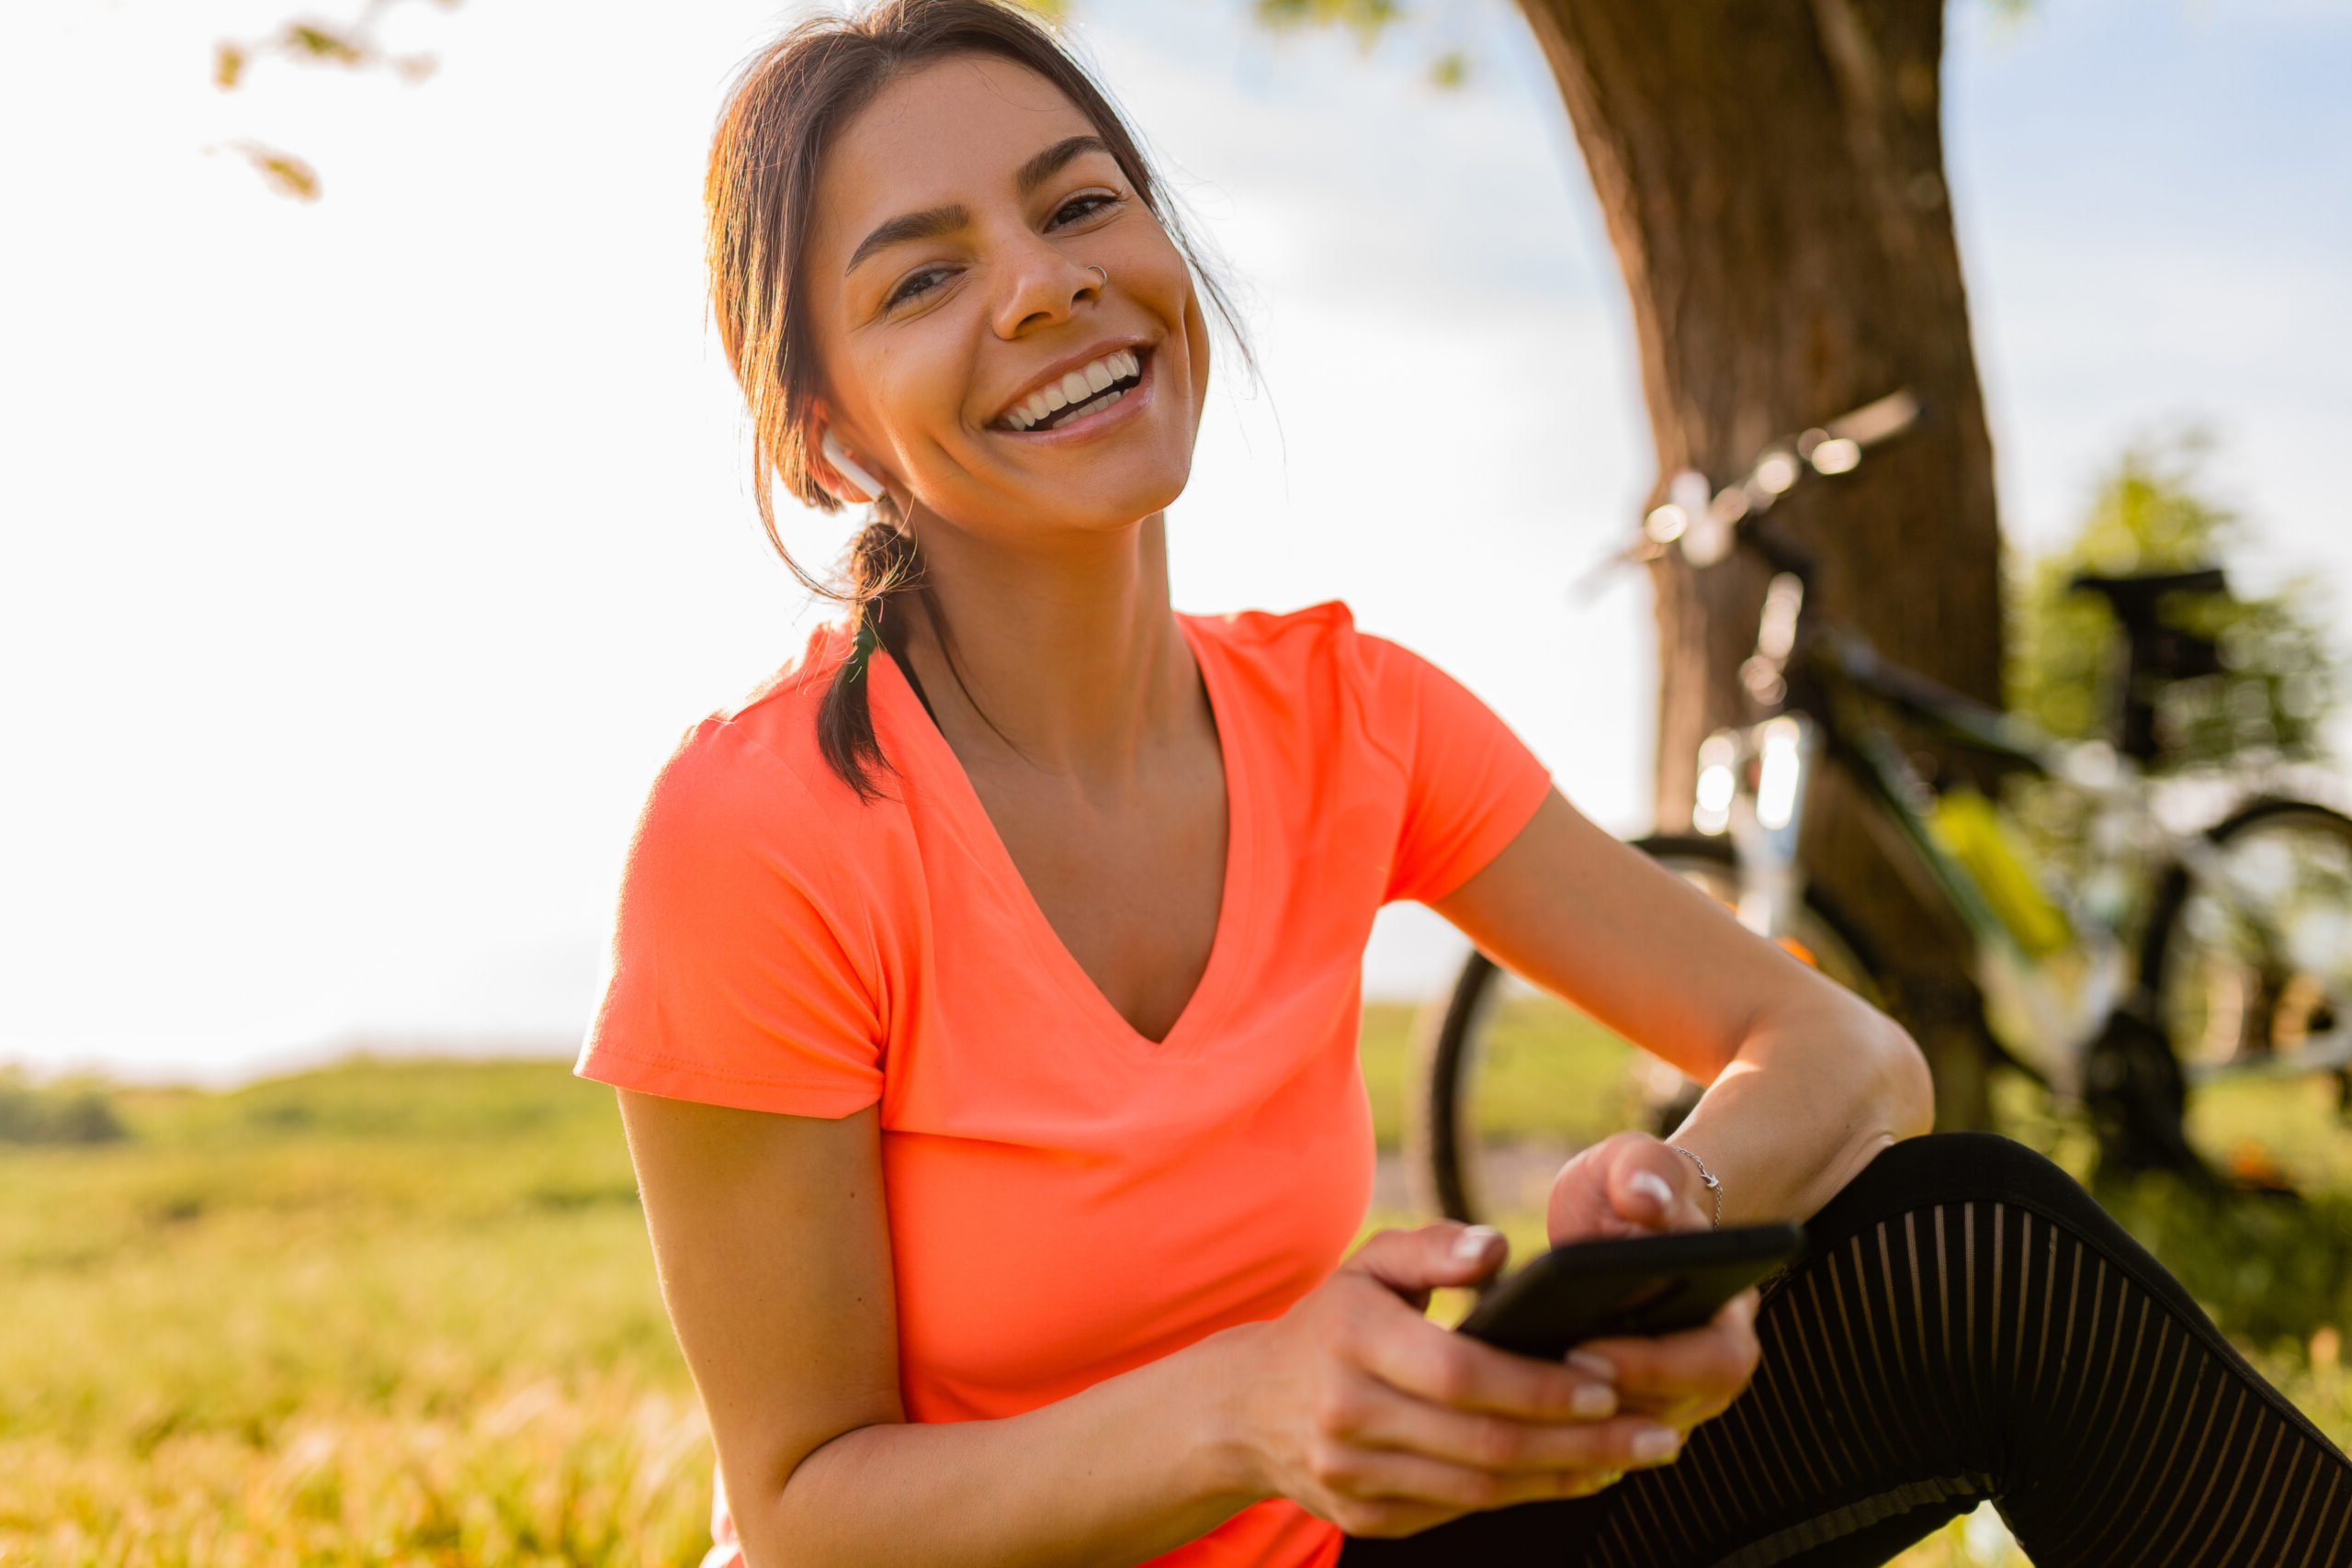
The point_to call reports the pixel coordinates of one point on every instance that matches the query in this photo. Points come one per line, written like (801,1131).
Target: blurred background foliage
(353,45)
(1449,64)
(1365,19)
(397,1312)
(2155,511)
(358,44)
(72,1112)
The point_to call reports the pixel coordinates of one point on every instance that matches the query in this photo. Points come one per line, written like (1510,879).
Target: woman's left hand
(1631,1185)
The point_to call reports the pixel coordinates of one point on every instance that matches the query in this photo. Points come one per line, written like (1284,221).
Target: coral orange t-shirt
(1066,1199)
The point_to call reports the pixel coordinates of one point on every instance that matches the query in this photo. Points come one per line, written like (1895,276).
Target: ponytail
(882,563)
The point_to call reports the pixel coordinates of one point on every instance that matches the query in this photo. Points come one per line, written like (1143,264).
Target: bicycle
(2175,959)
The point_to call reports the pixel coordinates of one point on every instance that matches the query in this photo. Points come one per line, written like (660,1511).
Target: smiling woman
(1085,198)
(984,1002)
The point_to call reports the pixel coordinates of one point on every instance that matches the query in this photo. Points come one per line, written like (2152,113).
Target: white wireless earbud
(848,469)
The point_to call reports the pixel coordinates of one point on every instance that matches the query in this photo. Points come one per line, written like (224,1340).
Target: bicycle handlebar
(1706,523)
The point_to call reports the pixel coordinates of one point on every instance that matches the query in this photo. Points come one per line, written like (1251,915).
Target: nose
(1043,289)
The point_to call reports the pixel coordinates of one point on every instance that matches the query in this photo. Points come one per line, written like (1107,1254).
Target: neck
(1067,659)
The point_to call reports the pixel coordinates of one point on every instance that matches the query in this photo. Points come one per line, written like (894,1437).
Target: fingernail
(1593,1402)
(1653,1186)
(1655,1444)
(1593,1363)
(1472,1245)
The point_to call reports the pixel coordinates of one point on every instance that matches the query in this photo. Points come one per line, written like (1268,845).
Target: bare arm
(774,1250)
(1808,1082)
(772,1241)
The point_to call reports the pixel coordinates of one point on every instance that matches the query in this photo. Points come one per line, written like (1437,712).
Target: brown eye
(915,284)
(1079,208)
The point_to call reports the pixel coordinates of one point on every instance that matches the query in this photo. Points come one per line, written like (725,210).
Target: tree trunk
(1771,173)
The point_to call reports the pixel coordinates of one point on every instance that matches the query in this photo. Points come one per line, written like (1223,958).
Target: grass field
(404,1313)
(381,1313)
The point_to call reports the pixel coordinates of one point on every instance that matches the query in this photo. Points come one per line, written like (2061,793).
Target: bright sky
(366,558)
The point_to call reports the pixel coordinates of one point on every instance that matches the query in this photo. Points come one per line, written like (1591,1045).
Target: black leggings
(1967,1323)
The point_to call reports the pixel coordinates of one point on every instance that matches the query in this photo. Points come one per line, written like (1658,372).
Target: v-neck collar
(939,773)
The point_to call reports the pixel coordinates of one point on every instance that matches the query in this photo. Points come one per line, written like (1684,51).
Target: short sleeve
(1471,782)
(731,980)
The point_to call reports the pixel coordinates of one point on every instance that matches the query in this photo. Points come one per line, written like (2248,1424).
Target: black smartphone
(1640,1285)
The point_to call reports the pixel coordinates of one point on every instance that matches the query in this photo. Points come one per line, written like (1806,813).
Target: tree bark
(1771,174)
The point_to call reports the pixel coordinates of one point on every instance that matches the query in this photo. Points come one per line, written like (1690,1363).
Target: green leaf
(2153,512)
(284,172)
(323,46)
(1365,19)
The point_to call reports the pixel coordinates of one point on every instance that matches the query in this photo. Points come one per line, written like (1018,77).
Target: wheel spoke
(2253,977)
(1510,1081)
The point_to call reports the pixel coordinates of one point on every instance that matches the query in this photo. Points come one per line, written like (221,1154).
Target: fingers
(1688,1377)
(1579,1208)
(1629,1184)
(1420,1359)
(1412,1263)
(1400,1424)
(1375,1492)
(1651,1185)
(1377,1418)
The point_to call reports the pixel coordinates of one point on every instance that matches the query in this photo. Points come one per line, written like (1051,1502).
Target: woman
(985,998)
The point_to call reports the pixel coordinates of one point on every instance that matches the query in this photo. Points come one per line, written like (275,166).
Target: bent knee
(1953,1168)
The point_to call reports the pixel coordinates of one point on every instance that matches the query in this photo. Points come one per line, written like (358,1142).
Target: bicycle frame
(2065,995)
(2045,1010)
(1754,782)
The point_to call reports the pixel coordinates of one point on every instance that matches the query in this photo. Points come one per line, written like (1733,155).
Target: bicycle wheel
(1508,1081)
(2249,962)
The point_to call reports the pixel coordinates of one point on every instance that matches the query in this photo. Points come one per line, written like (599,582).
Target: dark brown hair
(789,102)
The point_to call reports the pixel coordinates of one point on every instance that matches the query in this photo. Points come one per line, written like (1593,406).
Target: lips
(1089,389)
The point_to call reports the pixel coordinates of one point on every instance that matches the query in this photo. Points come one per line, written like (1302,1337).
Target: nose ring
(1101,273)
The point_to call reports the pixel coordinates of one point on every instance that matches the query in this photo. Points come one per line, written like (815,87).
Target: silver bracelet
(1707,1176)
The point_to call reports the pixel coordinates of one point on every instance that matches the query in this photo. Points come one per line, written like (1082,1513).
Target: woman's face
(972,358)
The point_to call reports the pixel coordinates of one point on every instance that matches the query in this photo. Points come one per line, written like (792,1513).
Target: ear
(851,483)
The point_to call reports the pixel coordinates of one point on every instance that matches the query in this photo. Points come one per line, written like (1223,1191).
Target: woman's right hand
(1358,1407)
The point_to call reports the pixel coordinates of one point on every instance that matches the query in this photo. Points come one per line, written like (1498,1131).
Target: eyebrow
(1054,159)
(927,224)
(934,221)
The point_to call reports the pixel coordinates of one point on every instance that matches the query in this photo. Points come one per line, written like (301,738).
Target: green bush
(2153,512)
(56,1114)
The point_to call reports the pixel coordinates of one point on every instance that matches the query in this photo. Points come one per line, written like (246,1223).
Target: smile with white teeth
(1090,388)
